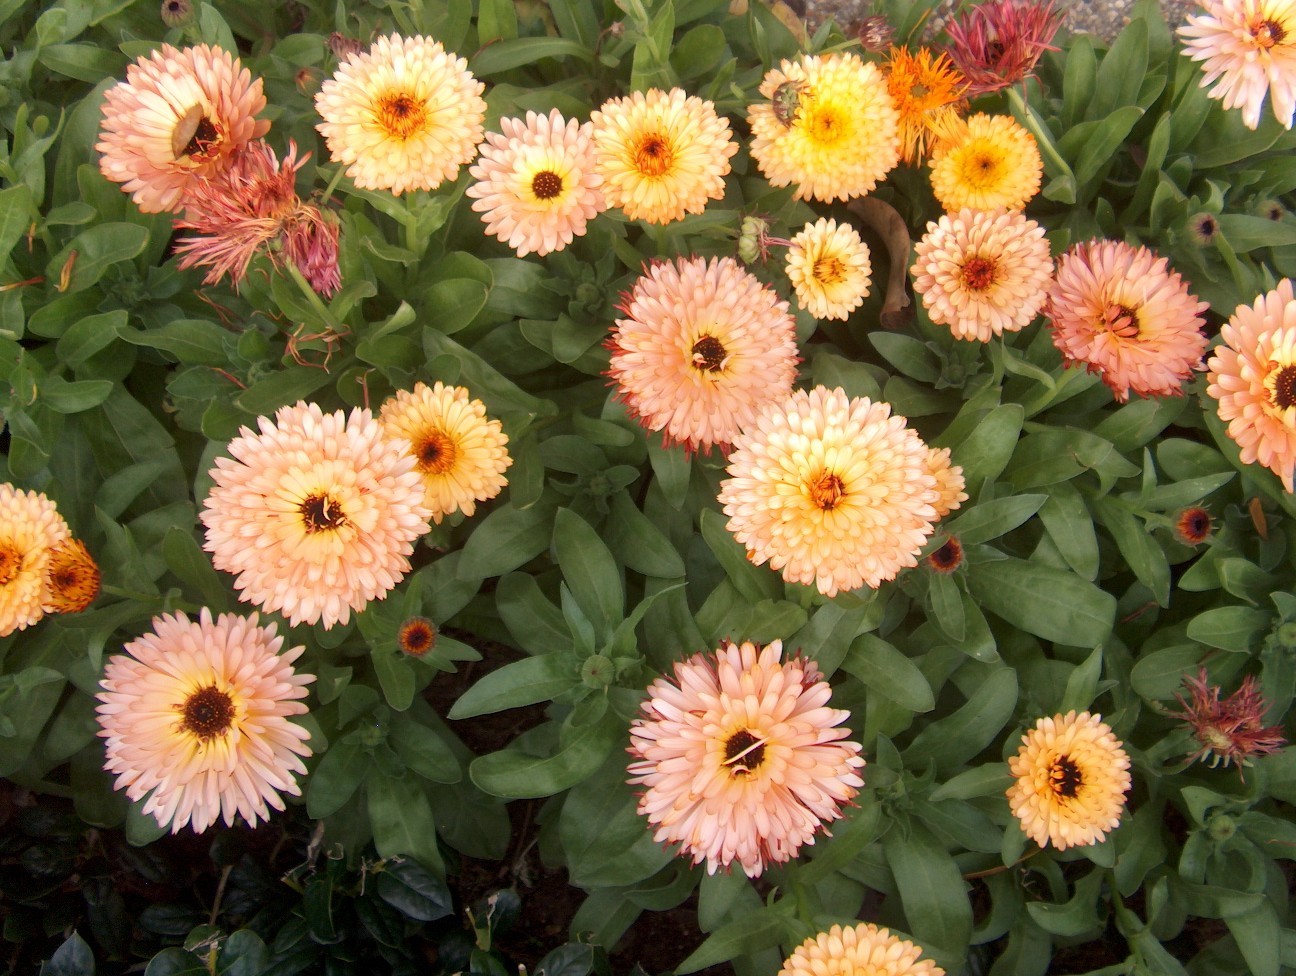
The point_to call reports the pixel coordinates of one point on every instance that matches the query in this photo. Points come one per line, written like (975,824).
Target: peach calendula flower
(827,124)
(1252,375)
(828,265)
(71,577)
(460,455)
(926,89)
(1071,779)
(702,347)
(740,757)
(195,716)
(860,949)
(997,43)
(316,515)
(178,118)
(536,186)
(1123,314)
(1229,731)
(1248,50)
(830,490)
(987,163)
(404,115)
(982,273)
(949,481)
(30,529)
(661,154)
(253,208)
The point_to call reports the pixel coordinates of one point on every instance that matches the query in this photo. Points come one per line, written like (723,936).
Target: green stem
(312,298)
(1043,137)
(334,180)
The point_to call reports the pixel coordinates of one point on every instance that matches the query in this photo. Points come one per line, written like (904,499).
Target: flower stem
(312,298)
(1043,138)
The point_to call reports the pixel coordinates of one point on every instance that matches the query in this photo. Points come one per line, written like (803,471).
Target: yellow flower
(30,529)
(988,162)
(927,91)
(461,455)
(829,268)
(1071,779)
(827,124)
(861,950)
(404,115)
(662,154)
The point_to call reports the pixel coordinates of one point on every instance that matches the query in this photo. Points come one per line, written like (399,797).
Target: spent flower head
(998,43)
(1228,731)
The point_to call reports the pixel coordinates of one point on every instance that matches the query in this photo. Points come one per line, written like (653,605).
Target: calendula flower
(195,716)
(702,347)
(316,515)
(1071,779)
(30,530)
(1193,526)
(1123,314)
(828,265)
(71,577)
(460,454)
(536,186)
(860,950)
(830,490)
(178,118)
(740,757)
(1248,50)
(982,273)
(927,90)
(949,481)
(1252,375)
(662,154)
(253,208)
(1229,731)
(827,124)
(987,163)
(417,636)
(404,115)
(947,557)
(997,43)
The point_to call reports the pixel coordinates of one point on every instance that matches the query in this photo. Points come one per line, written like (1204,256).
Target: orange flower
(859,950)
(71,578)
(741,758)
(927,91)
(987,163)
(30,530)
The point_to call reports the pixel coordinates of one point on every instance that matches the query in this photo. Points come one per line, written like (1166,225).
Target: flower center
(207,713)
(1195,525)
(709,354)
(320,513)
(10,563)
(825,127)
(829,271)
(978,273)
(1267,33)
(436,452)
(401,115)
(1122,320)
(1281,383)
(744,752)
(1066,777)
(417,636)
(826,490)
(195,135)
(947,558)
(72,577)
(546,185)
(653,156)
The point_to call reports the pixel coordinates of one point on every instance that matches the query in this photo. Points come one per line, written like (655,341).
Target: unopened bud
(177,13)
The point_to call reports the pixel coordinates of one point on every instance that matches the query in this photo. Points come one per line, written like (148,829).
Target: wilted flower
(317,514)
(997,43)
(662,154)
(946,557)
(178,118)
(1072,775)
(461,455)
(828,265)
(536,186)
(830,490)
(875,33)
(1229,731)
(926,89)
(988,162)
(703,345)
(741,758)
(1122,313)
(71,578)
(404,115)
(253,207)
(30,530)
(195,716)
(860,950)
(828,124)
(1193,526)
(1253,376)
(1249,51)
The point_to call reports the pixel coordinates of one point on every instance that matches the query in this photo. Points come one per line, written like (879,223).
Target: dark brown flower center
(948,557)
(320,513)
(653,156)
(546,185)
(978,273)
(826,490)
(10,563)
(436,452)
(744,752)
(709,354)
(207,713)
(1268,33)
(1066,776)
(1284,388)
(401,115)
(195,135)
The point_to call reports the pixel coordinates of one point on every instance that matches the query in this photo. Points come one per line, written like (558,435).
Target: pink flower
(998,43)
(1228,731)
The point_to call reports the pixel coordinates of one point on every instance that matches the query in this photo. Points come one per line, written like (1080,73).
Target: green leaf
(90,335)
(66,397)
(989,520)
(947,606)
(1082,683)
(281,388)
(1101,146)
(516,52)
(524,682)
(638,543)
(174,961)
(414,891)
(15,215)
(395,677)
(749,932)
(1247,233)
(881,667)
(1158,676)
(533,620)
(603,835)
(1122,71)
(96,250)
(193,567)
(457,302)
(591,572)
(335,778)
(672,469)
(1257,933)
(194,342)
(1229,628)
(1050,603)
(574,959)
(931,888)
(243,954)
(402,820)
(958,737)
(514,775)
(753,582)
(992,780)
(907,354)
(984,453)
(1066,519)
(505,539)
(72,958)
